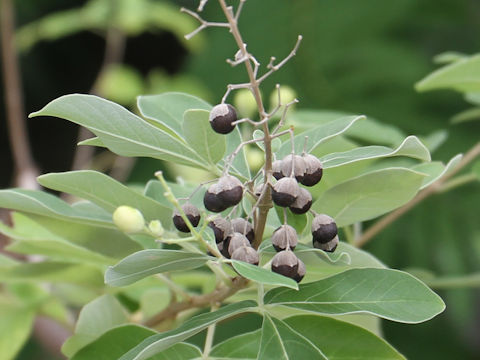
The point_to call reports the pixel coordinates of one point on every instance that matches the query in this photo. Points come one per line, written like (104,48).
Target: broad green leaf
(448,57)
(435,170)
(55,272)
(117,341)
(463,75)
(369,195)
(244,346)
(279,341)
(15,326)
(121,131)
(200,136)
(95,141)
(353,343)
(390,294)
(96,318)
(148,262)
(410,147)
(41,203)
(319,134)
(157,343)
(105,192)
(466,115)
(168,109)
(261,275)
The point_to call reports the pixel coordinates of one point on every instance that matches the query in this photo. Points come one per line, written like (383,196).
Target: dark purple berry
(300,271)
(237,240)
(222,229)
(221,118)
(313,170)
(242,226)
(212,201)
(285,191)
(303,202)
(298,164)
(246,254)
(324,229)
(192,215)
(329,246)
(285,263)
(230,190)
(284,237)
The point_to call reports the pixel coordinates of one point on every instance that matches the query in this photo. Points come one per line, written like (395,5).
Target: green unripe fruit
(156,228)
(128,219)
(245,103)
(287,94)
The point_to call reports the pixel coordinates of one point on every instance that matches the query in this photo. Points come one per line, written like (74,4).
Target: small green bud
(156,228)
(287,94)
(128,219)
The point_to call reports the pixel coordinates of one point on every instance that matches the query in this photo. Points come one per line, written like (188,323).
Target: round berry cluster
(235,237)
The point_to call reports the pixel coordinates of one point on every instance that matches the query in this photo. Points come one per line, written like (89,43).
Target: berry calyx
(242,226)
(285,263)
(300,271)
(246,254)
(299,166)
(222,229)
(303,202)
(237,240)
(324,229)
(192,214)
(221,118)
(284,237)
(285,191)
(329,246)
(313,170)
(230,190)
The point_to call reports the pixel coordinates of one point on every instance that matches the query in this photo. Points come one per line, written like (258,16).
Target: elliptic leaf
(15,326)
(261,275)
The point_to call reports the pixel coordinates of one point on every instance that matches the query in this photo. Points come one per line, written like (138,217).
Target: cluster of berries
(234,238)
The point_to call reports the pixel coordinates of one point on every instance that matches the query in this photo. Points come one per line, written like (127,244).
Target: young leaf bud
(237,240)
(221,118)
(156,228)
(303,202)
(285,191)
(313,171)
(277,169)
(128,219)
(299,166)
(329,246)
(222,229)
(246,254)
(193,215)
(284,237)
(300,271)
(285,263)
(212,201)
(243,227)
(324,229)
(230,190)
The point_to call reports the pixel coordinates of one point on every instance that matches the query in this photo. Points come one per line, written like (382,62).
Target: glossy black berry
(277,169)
(313,170)
(222,229)
(285,191)
(237,240)
(303,202)
(324,229)
(285,263)
(284,237)
(329,246)
(221,118)
(300,271)
(193,215)
(212,200)
(299,167)
(246,254)
(242,226)
(230,190)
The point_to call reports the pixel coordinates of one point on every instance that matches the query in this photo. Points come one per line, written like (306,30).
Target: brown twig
(434,188)
(198,301)
(25,169)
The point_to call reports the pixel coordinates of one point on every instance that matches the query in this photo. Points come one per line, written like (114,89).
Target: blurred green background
(357,56)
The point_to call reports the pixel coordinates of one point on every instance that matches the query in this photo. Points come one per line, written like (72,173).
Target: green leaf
(435,170)
(96,318)
(276,142)
(390,294)
(121,131)
(448,57)
(41,203)
(369,195)
(435,139)
(115,342)
(105,192)
(244,346)
(95,141)
(200,136)
(157,343)
(466,115)
(280,341)
(15,327)
(319,134)
(463,75)
(354,342)
(148,262)
(411,147)
(168,109)
(261,275)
